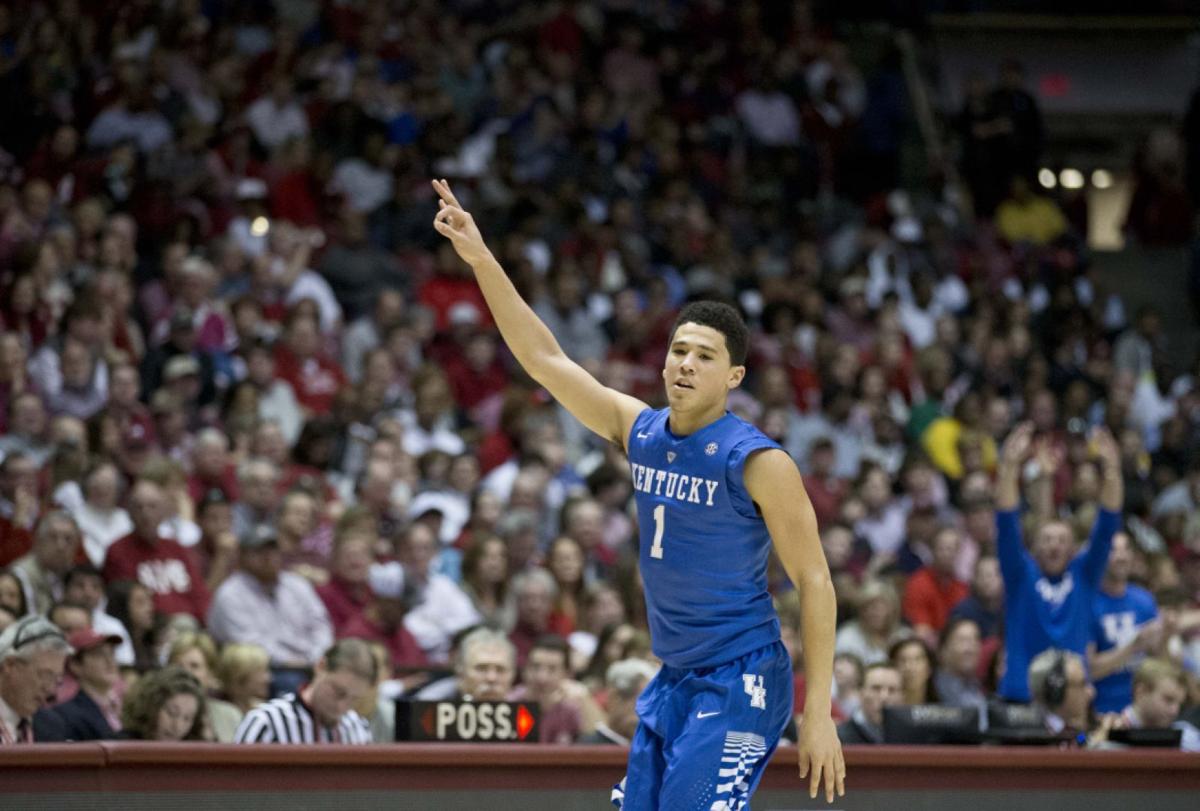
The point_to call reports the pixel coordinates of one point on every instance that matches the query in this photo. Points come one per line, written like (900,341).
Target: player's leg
(734,718)
(639,788)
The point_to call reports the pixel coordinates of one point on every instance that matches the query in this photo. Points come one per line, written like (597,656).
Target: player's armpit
(605,411)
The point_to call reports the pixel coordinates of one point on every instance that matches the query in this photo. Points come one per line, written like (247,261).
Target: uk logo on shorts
(755,689)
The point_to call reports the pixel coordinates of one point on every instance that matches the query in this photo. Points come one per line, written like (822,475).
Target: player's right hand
(457,225)
(821,759)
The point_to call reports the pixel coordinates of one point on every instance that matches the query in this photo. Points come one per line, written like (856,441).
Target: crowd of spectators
(266,463)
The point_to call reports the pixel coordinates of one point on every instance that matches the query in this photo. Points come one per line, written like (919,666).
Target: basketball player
(712,494)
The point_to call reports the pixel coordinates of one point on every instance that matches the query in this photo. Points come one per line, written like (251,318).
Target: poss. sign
(467,721)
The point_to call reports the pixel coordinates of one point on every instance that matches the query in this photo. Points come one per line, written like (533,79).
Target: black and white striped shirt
(288,719)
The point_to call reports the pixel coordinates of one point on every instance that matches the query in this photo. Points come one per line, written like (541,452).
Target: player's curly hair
(722,317)
(140,713)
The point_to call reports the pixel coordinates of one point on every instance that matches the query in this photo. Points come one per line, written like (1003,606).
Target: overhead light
(1047,179)
(259,226)
(1102,179)
(1071,179)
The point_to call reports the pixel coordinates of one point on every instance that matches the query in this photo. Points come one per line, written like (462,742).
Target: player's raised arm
(608,412)
(775,485)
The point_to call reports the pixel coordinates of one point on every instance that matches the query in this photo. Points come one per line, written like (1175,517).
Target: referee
(319,712)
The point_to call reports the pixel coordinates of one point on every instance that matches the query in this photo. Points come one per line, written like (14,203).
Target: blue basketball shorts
(706,735)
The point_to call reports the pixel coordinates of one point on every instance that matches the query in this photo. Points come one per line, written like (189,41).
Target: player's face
(698,370)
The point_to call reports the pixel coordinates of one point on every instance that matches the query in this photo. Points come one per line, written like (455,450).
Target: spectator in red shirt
(15,541)
(382,620)
(211,467)
(535,592)
(825,490)
(933,591)
(313,375)
(474,371)
(160,564)
(453,284)
(347,593)
(124,390)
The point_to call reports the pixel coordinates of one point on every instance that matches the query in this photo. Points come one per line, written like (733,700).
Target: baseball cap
(386,580)
(258,537)
(86,639)
(26,631)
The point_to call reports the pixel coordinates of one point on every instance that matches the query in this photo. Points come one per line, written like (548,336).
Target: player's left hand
(821,758)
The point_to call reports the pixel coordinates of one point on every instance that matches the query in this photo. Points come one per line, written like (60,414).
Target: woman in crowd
(100,516)
(165,705)
(609,644)
(485,580)
(565,561)
(12,594)
(245,672)
(602,607)
(913,658)
(133,604)
(196,653)
(957,679)
(876,627)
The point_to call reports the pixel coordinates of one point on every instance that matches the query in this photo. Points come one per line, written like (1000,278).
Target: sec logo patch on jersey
(710,449)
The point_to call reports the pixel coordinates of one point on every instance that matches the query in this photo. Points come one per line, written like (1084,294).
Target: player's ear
(736,374)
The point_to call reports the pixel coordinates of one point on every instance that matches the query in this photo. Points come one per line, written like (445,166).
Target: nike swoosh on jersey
(707,714)
(643,436)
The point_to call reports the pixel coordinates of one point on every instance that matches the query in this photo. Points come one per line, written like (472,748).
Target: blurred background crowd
(252,405)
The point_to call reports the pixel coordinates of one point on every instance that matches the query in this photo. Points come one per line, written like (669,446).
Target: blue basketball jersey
(703,546)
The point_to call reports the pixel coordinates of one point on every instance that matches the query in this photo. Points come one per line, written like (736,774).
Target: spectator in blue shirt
(1125,626)
(1049,590)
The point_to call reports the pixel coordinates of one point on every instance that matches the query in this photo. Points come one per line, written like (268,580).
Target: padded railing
(439,776)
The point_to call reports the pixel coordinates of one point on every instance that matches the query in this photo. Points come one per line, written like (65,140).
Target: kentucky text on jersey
(678,486)
(703,547)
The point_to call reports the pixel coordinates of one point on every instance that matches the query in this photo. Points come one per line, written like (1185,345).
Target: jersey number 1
(660,519)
